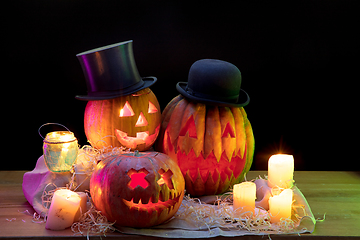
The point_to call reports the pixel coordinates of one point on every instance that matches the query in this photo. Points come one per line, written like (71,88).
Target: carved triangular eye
(152,108)
(228,131)
(189,127)
(126,111)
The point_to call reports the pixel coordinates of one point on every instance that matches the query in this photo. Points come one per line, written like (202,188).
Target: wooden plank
(338,195)
(335,193)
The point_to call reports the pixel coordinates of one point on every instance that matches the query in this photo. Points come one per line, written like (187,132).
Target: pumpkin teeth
(150,206)
(141,137)
(164,196)
(154,198)
(200,181)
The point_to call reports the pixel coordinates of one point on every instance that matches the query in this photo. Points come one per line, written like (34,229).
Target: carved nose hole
(141,122)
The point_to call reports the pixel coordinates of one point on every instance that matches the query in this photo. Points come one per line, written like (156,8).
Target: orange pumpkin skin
(137,190)
(214,146)
(136,126)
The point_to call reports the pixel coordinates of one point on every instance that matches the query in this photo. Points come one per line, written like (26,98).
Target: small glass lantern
(60,150)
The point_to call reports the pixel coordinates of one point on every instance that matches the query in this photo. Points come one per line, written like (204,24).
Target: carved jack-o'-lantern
(132,121)
(213,145)
(137,189)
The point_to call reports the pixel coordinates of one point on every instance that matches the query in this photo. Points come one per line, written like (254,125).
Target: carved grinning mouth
(141,138)
(150,206)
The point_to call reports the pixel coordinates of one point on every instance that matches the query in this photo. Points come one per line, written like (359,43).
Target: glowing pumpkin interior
(147,188)
(134,120)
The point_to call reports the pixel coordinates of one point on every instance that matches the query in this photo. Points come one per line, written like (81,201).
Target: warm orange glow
(61,136)
(127,110)
(166,178)
(150,206)
(99,191)
(281,171)
(189,127)
(138,178)
(60,151)
(161,181)
(228,131)
(64,206)
(152,108)
(244,195)
(280,205)
(141,138)
(141,122)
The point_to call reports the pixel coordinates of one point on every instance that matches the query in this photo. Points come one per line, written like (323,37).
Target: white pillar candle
(281,171)
(280,206)
(244,195)
(83,206)
(64,205)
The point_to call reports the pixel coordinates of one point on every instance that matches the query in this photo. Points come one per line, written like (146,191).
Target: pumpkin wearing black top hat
(121,108)
(206,129)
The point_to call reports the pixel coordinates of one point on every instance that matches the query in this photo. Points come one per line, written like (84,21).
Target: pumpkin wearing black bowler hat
(206,129)
(121,108)
(214,82)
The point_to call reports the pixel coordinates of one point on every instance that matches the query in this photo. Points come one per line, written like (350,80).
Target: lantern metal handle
(50,124)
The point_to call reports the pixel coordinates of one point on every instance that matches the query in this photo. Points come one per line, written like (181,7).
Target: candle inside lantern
(281,171)
(60,151)
(64,206)
(244,195)
(280,206)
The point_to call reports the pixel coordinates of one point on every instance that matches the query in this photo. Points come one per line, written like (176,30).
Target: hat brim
(148,81)
(243,100)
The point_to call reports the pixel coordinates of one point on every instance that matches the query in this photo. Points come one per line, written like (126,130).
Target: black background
(299,63)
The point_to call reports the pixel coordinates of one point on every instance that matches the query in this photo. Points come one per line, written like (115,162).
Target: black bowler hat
(214,82)
(111,72)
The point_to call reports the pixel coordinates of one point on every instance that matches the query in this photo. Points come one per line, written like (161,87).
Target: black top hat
(214,82)
(111,72)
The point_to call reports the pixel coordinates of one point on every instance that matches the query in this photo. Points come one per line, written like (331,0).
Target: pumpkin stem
(136,153)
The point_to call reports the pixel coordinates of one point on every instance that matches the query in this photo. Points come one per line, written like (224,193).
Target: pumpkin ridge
(199,184)
(222,152)
(174,122)
(195,112)
(165,118)
(188,182)
(212,135)
(189,128)
(241,168)
(224,184)
(170,106)
(211,186)
(250,144)
(228,143)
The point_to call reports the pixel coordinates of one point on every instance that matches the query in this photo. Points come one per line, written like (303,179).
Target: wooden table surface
(336,194)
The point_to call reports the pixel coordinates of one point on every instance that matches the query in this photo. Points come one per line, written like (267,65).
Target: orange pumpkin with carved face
(137,189)
(131,121)
(213,145)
